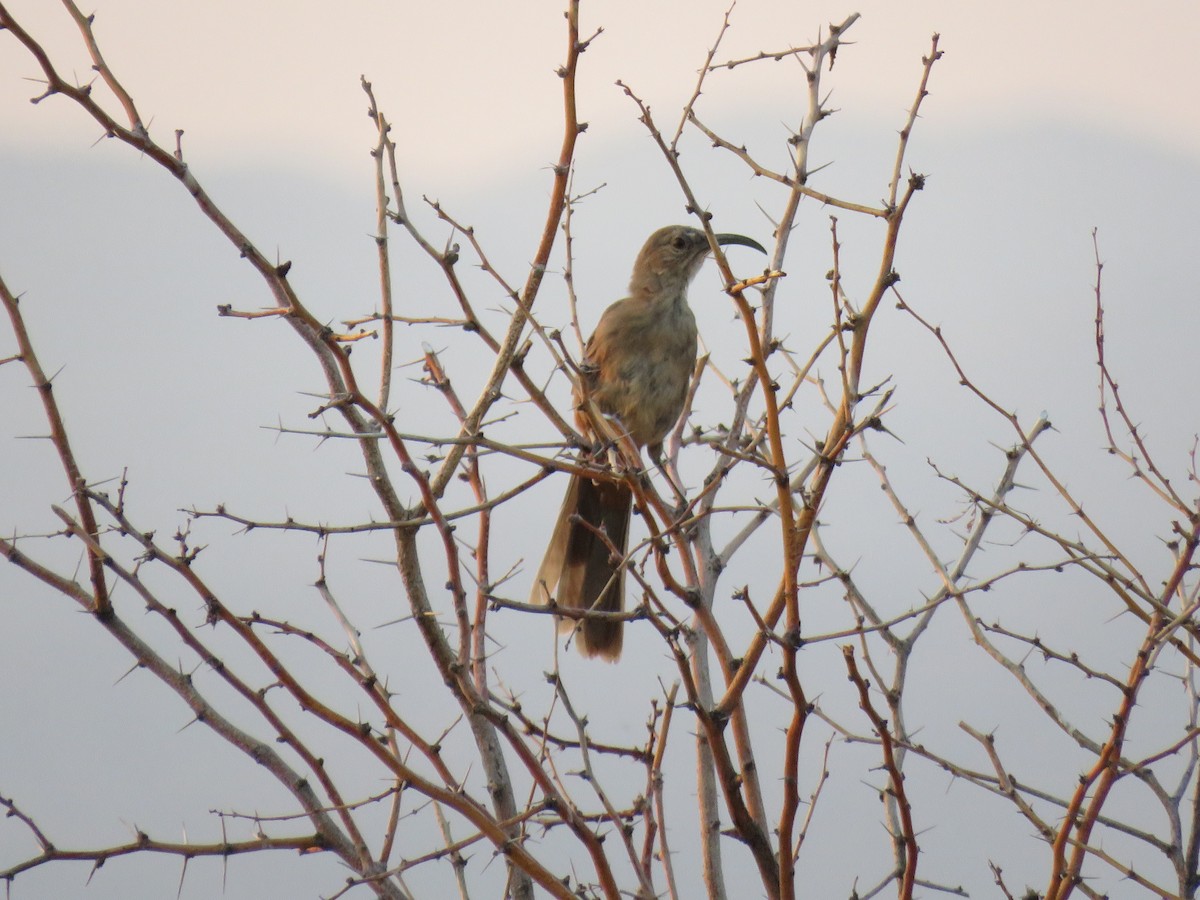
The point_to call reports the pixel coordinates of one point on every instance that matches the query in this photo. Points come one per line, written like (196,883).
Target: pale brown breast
(639,363)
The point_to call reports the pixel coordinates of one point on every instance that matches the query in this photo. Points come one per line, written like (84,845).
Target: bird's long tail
(581,564)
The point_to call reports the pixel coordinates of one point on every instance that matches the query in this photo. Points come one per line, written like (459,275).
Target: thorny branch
(541,786)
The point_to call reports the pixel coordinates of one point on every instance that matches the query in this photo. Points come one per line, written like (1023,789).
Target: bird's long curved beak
(726,239)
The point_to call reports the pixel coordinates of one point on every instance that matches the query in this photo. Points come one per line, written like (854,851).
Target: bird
(636,369)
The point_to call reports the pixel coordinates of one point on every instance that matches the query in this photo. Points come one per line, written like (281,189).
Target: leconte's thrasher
(636,369)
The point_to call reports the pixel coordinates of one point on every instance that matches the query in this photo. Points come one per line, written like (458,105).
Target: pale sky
(1044,121)
(280,80)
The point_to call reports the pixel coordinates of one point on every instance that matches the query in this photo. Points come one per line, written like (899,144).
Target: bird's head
(672,255)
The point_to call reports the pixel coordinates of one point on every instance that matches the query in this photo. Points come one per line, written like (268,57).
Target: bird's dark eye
(679,243)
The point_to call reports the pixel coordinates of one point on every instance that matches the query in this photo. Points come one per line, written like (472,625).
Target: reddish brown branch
(908,835)
(101,604)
